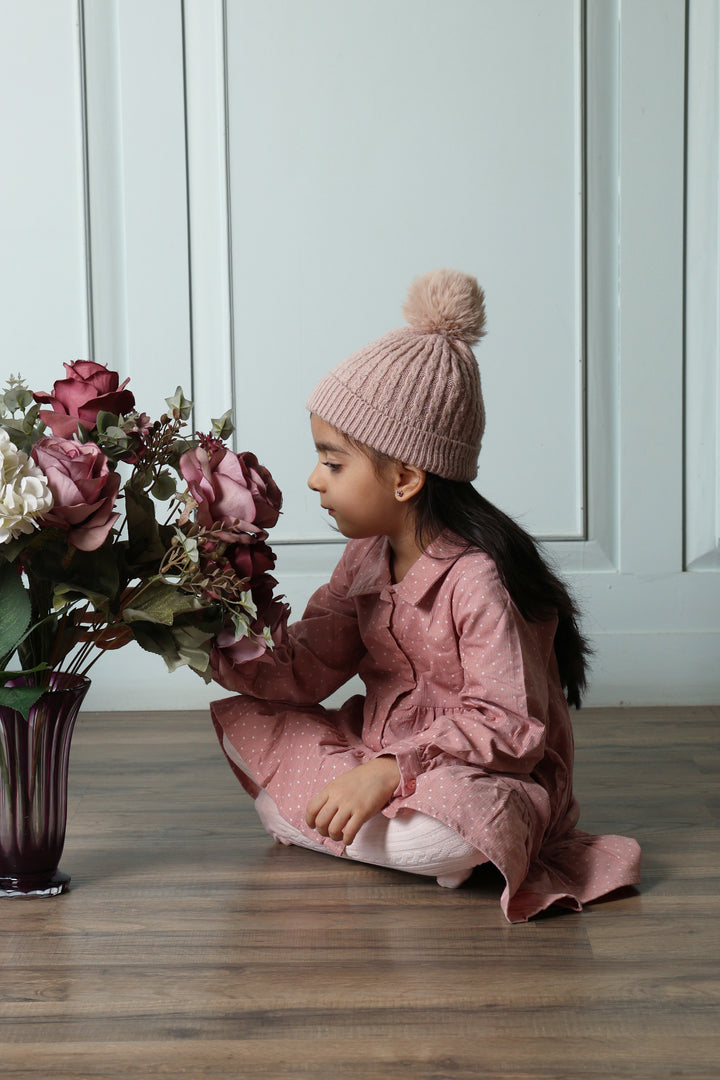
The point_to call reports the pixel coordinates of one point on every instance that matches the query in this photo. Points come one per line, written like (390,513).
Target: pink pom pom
(446,302)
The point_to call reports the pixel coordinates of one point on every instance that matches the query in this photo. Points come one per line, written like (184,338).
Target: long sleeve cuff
(410,766)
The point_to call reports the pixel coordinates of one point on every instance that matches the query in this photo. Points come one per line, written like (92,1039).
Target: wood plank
(191,945)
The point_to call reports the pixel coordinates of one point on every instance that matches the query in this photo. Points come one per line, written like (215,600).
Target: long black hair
(455,506)
(535,589)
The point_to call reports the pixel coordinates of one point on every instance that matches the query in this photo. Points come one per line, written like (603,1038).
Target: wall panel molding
(136,152)
(650,336)
(205,60)
(43,254)
(601,288)
(702,334)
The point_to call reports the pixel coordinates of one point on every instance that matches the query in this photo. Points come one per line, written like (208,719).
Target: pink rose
(230,488)
(84,490)
(88,389)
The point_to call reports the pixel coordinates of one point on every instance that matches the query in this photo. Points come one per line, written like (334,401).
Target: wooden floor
(191,946)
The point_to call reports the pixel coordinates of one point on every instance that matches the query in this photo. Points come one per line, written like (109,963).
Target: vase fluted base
(34,759)
(29,890)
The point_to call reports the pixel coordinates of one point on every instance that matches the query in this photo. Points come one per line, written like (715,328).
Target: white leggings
(411,841)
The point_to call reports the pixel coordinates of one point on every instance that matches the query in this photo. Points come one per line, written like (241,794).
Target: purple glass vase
(34,759)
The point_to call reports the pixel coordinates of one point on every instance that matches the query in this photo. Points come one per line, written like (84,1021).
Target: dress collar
(433,564)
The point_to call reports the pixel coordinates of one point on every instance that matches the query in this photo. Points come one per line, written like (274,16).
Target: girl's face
(361,501)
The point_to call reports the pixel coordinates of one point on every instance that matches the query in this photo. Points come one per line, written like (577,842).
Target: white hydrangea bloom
(24,491)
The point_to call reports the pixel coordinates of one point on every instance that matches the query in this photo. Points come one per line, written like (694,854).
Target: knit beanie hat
(414,394)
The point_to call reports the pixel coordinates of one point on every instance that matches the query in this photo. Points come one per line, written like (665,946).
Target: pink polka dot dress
(459,688)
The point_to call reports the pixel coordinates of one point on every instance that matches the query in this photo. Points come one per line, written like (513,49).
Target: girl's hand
(350,800)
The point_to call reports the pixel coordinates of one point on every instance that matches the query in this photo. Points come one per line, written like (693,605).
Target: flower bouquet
(117,528)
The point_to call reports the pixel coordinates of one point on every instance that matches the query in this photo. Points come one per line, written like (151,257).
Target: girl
(461,750)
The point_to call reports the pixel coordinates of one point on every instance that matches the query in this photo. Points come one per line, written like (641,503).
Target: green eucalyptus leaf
(105,420)
(117,435)
(164,487)
(18,399)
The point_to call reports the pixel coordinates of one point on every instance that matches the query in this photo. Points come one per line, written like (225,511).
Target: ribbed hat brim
(338,405)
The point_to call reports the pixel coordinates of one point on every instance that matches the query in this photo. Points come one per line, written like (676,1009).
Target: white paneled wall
(234,196)
(703,291)
(372,141)
(43,277)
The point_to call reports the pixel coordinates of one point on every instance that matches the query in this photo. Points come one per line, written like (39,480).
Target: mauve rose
(228,653)
(265,492)
(230,488)
(225,656)
(83,487)
(88,389)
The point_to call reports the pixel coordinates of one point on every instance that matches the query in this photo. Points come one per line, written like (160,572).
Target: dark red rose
(88,389)
(250,560)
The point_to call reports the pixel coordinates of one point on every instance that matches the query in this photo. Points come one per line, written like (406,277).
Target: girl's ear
(410,481)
